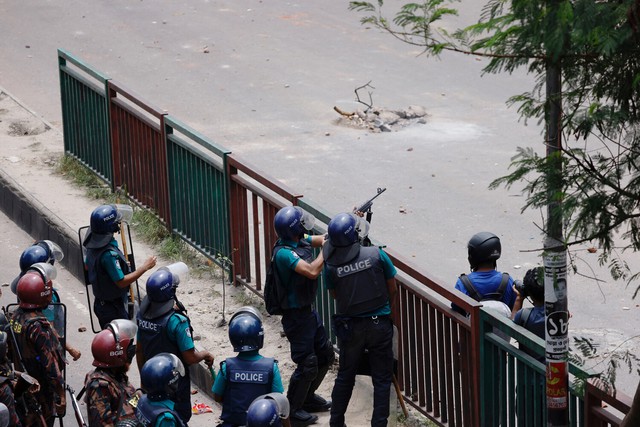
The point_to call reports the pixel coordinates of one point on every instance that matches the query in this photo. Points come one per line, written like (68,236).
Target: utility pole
(555,252)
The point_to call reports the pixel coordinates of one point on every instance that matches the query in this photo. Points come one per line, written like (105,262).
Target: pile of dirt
(382,120)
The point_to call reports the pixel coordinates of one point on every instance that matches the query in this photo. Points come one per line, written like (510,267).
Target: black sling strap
(473,292)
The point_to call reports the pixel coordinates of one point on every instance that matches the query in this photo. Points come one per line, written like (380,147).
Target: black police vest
(245,381)
(360,286)
(153,335)
(302,287)
(147,414)
(103,287)
(155,340)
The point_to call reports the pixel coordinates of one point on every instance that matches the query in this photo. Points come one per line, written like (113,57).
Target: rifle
(76,407)
(366,208)
(37,409)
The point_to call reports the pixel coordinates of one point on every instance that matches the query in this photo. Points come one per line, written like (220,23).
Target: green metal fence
(85,114)
(198,189)
(456,370)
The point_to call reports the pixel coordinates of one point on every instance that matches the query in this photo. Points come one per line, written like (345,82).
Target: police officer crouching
(361,279)
(247,376)
(270,410)
(109,391)
(160,377)
(163,327)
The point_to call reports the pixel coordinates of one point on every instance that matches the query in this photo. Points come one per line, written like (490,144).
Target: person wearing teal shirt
(362,281)
(160,376)
(249,374)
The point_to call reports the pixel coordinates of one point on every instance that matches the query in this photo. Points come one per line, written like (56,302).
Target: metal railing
(456,370)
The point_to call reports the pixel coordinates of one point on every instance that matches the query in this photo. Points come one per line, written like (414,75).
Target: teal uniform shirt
(221,379)
(389,273)
(178,329)
(286,261)
(167,419)
(109,261)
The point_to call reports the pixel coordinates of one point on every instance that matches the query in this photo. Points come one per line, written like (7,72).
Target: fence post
(477,373)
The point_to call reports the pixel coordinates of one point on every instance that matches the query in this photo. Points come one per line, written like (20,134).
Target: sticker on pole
(557,385)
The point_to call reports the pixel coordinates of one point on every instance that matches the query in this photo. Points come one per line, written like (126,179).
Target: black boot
(296,393)
(313,402)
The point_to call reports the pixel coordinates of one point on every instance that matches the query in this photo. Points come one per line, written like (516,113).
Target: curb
(36,219)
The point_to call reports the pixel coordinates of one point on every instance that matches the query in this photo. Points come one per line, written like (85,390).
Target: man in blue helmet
(310,349)
(163,327)
(362,281)
(107,268)
(249,374)
(270,410)
(160,377)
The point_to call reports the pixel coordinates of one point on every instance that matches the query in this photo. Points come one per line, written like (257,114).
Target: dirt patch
(382,120)
(26,128)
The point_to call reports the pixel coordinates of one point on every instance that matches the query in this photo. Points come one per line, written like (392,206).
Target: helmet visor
(176,362)
(125,213)
(47,270)
(362,226)
(124,329)
(55,251)
(307,220)
(179,272)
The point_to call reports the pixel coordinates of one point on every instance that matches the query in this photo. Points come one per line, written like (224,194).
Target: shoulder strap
(524,316)
(503,285)
(471,290)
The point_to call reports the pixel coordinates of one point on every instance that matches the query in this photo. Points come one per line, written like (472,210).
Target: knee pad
(310,367)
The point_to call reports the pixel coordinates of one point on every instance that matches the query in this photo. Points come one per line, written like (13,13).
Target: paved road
(266,89)
(12,243)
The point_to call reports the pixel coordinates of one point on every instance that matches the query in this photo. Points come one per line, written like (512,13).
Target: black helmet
(483,247)
(534,283)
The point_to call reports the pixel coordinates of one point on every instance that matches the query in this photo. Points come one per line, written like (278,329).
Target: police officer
(310,349)
(47,252)
(361,279)
(163,327)
(270,410)
(38,344)
(108,389)
(160,377)
(247,376)
(107,268)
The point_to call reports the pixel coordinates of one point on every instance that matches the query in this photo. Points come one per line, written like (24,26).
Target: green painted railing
(85,115)
(198,189)
(456,370)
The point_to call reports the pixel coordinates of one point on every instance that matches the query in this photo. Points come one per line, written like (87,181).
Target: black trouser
(108,310)
(375,335)
(310,350)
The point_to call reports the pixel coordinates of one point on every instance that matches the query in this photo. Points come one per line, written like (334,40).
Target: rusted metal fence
(456,370)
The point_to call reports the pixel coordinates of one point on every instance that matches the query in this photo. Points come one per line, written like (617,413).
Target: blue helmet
(291,222)
(263,413)
(32,255)
(160,376)
(160,286)
(42,251)
(346,228)
(105,219)
(245,330)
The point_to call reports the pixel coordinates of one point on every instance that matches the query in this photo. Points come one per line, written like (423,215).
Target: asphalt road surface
(262,78)
(12,242)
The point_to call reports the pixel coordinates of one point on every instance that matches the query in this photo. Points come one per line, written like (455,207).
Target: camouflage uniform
(108,395)
(6,393)
(43,358)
